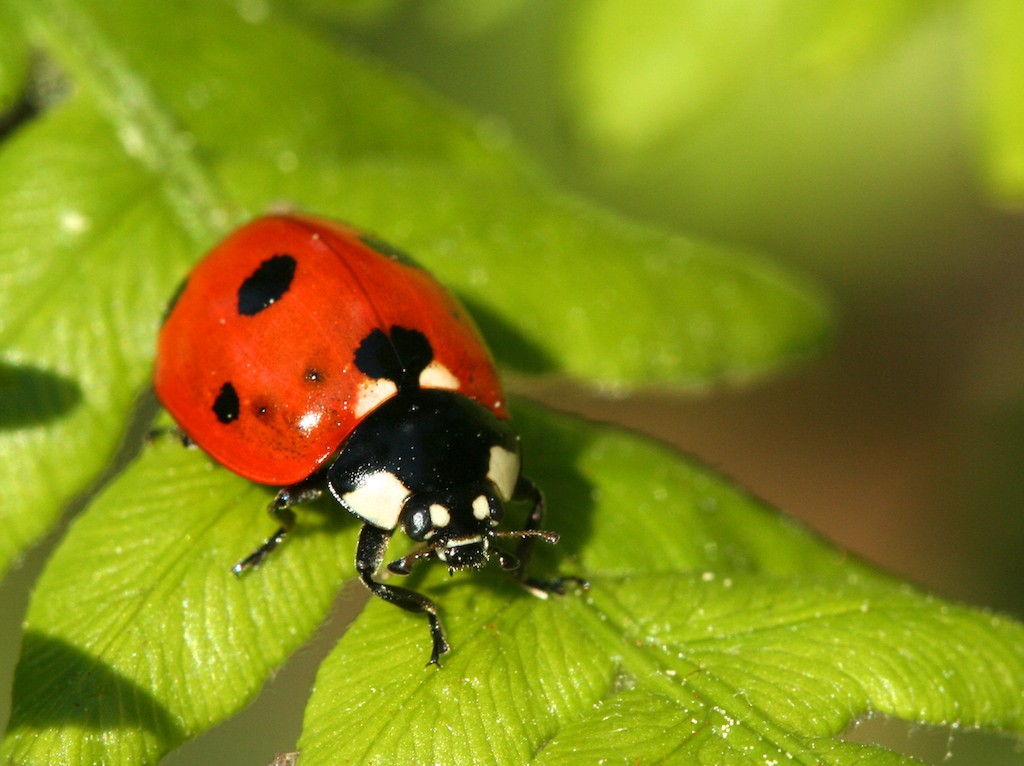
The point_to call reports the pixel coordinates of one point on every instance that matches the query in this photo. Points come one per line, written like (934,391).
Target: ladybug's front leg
(373,543)
(280,509)
(405,564)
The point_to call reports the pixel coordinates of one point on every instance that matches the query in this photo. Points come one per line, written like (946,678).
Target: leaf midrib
(144,126)
(606,621)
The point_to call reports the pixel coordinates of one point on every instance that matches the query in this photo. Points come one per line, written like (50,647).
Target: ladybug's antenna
(522,534)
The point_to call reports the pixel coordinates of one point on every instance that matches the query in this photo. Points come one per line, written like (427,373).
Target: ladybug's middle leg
(373,543)
(280,509)
(528,535)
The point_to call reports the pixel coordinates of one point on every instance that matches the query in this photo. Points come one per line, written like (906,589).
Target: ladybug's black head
(457,527)
(438,466)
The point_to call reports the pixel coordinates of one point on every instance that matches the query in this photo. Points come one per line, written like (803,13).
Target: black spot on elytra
(266,285)
(226,405)
(313,375)
(399,356)
(387,249)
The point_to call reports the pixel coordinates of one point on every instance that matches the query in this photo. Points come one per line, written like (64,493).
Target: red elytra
(295,391)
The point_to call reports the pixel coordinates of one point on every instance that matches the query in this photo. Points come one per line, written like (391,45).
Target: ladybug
(306,354)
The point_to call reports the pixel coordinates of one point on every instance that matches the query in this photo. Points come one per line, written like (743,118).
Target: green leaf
(138,634)
(601,300)
(351,12)
(999,80)
(177,124)
(714,632)
(714,628)
(467,18)
(87,253)
(13,61)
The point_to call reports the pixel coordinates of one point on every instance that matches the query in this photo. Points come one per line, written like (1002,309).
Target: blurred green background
(875,145)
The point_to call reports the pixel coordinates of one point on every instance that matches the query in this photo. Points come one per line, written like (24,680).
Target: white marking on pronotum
(436,375)
(503,470)
(372,393)
(439,515)
(481,508)
(377,500)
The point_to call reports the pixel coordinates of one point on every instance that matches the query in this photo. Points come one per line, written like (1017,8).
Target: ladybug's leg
(160,431)
(527,490)
(405,564)
(280,509)
(373,543)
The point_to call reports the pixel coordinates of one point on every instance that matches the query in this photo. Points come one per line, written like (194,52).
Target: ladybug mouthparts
(464,552)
